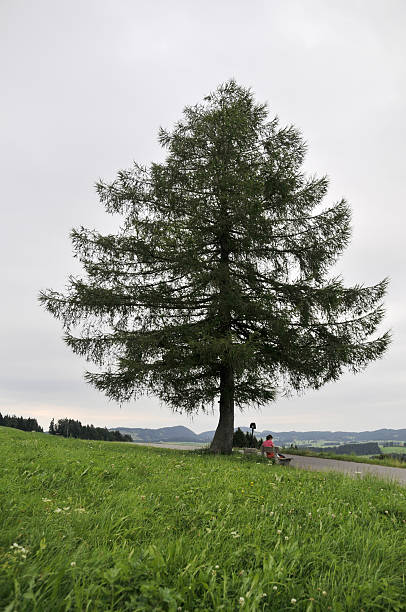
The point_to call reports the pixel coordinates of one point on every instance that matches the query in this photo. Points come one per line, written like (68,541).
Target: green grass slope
(111,526)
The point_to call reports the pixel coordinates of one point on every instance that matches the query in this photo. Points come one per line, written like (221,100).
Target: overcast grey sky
(86,85)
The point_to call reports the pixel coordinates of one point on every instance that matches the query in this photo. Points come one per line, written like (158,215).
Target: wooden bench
(250,451)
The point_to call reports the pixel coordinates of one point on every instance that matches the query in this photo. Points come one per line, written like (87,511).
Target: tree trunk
(223,438)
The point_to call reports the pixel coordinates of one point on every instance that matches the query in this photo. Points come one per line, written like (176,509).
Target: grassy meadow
(99,526)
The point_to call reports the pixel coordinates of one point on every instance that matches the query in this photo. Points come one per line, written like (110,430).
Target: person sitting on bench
(268,447)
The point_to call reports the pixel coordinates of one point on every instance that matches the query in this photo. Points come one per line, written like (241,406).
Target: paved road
(349,467)
(318,464)
(174,445)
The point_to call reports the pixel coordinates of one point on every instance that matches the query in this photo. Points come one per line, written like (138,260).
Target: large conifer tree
(216,288)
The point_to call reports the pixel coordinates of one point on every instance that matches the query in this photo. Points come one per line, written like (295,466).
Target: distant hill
(164,434)
(184,434)
(395,435)
(359,448)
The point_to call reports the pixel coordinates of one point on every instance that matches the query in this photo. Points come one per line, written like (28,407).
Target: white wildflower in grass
(73,563)
(217,566)
(241,601)
(19,550)
(279,531)
(57,510)
(286,537)
(293,600)
(275,588)
(324,593)
(264,595)
(46,500)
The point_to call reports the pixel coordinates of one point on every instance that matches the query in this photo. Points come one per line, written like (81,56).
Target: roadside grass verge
(102,526)
(394,449)
(387,461)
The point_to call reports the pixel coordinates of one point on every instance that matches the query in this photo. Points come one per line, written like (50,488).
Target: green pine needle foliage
(222,262)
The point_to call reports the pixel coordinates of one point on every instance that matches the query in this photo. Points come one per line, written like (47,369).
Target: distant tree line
(392,443)
(69,428)
(28,424)
(245,440)
(369,448)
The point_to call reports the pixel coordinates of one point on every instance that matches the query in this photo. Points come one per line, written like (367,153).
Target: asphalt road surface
(349,467)
(173,445)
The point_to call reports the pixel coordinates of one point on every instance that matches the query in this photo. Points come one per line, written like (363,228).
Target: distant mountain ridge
(163,434)
(184,434)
